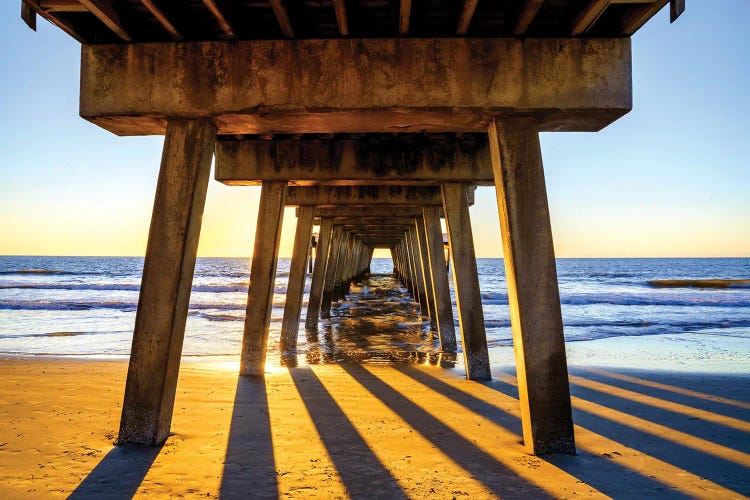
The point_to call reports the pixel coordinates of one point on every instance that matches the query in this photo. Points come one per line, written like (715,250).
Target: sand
(369,431)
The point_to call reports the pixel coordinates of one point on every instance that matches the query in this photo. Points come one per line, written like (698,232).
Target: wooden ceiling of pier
(126,21)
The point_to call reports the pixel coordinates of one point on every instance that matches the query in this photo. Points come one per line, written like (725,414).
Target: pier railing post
(166,283)
(533,295)
(466,281)
(296,285)
(262,278)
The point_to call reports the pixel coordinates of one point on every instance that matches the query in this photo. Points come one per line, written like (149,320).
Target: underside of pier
(377,119)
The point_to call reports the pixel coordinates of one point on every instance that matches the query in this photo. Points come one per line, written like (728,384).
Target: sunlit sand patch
(419,467)
(670,388)
(734,423)
(494,440)
(642,463)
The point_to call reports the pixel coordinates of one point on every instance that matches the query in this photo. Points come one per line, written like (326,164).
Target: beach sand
(369,431)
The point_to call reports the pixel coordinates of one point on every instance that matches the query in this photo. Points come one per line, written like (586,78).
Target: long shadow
(605,476)
(249,466)
(119,474)
(493,474)
(723,386)
(363,475)
(715,469)
(711,431)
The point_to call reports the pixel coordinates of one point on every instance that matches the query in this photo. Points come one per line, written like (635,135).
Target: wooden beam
(105,11)
(219,16)
(526,16)
(533,296)
(49,16)
(28,15)
(262,279)
(340,7)
(676,8)
(467,13)
(282,17)
(466,282)
(167,281)
(638,16)
(406,159)
(404,17)
(588,16)
(158,13)
(63,6)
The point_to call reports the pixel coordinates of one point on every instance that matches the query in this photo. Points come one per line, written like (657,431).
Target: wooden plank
(533,296)
(160,16)
(219,16)
(638,16)
(282,17)
(467,13)
(340,8)
(588,16)
(296,284)
(439,272)
(676,8)
(105,11)
(319,274)
(466,282)
(526,16)
(28,15)
(262,279)
(166,283)
(404,17)
(62,6)
(49,16)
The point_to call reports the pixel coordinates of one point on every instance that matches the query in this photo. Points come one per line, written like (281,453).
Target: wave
(33,271)
(219,288)
(646,299)
(710,283)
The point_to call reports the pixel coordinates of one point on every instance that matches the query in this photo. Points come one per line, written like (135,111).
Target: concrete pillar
(439,272)
(466,282)
(333,255)
(296,285)
(319,273)
(262,278)
(533,295)
(166,283)
(426,272)
(419,280)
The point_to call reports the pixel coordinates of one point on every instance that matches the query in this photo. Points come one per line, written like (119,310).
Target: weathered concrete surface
(360,85)
(296,283)
(466,282)
(439,273)
(319,273)
(167,280)
(406,158)
(533,296)
(262,279)
(363,195)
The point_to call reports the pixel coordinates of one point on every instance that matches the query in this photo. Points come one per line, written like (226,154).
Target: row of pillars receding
(345,253)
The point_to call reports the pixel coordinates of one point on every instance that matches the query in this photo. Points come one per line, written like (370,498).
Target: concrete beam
(363,195)
(408,158)
(357,211)
(357,85)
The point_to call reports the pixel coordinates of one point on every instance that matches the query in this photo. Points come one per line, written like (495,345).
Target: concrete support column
(426,272)
(296,285)
(333,256)
(262,278)
(439,272)
(466,282)
(319,273)
(166,283)
(533,295)
(419,278)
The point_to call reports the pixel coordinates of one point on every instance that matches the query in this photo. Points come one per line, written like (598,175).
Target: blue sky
(671,178)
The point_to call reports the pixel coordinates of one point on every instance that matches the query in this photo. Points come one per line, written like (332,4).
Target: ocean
(85,306)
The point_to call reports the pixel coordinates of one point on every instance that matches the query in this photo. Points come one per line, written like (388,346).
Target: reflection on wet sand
(377,323)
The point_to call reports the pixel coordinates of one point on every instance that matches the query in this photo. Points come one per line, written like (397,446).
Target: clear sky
(671,178)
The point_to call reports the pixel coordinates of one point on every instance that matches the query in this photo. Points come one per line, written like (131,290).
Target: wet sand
(399,422)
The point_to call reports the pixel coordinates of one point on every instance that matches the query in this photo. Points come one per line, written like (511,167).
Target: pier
(376,120)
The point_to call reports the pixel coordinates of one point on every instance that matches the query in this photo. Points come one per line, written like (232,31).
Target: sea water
(85,306)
